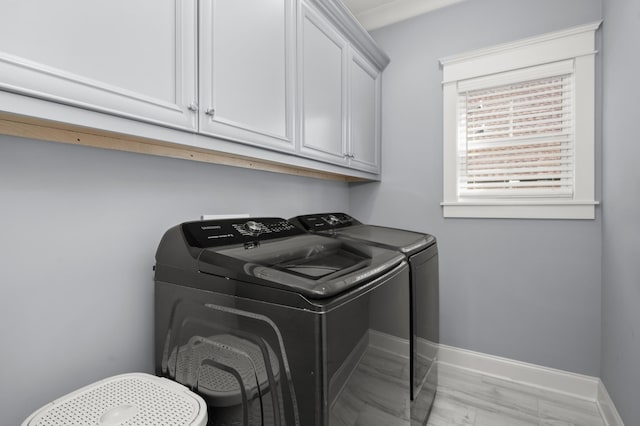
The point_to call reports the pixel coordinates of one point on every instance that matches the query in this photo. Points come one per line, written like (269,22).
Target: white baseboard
(608,410)
(576,385)
(427,348)
(573,384)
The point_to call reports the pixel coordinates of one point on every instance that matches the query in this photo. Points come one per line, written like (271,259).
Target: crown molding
(398,10)
(338,13)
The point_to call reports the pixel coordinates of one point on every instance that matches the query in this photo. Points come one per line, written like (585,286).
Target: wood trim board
(33,128)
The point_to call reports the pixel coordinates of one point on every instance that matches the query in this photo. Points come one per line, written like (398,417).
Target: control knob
(253,227)
(333,220)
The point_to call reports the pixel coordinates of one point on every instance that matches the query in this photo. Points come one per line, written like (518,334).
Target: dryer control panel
(325,221)
(214,233)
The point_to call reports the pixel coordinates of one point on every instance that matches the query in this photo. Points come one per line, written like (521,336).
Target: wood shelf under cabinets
(35,128)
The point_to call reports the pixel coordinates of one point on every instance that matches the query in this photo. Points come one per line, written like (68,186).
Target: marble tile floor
(467,398)
(376,392)
(464,398)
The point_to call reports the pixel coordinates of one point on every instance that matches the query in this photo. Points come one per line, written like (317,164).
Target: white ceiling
(374,14)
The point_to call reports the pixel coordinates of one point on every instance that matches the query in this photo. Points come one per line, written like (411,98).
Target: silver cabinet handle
(193,107)
(210,112)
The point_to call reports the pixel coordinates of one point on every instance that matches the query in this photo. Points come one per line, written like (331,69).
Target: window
(519,129)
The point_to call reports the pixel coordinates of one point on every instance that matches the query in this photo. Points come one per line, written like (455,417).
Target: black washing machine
(275,326)
(421,251)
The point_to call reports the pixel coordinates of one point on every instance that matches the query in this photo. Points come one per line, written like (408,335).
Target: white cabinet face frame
(247,71)
(84,61)
(365,84)
(322,78)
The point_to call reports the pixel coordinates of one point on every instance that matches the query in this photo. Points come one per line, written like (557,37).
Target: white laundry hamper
(134,399)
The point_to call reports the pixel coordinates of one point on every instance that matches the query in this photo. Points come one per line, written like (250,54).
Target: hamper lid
(133,399)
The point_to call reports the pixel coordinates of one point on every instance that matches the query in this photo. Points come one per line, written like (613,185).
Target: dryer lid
(344,226)
(408,242)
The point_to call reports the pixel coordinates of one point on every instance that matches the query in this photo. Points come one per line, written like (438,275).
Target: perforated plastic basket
(221,388)
(134,399)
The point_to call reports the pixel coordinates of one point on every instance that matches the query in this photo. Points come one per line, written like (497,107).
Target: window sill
(529,209)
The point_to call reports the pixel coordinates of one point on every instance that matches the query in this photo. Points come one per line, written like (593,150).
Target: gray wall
(81,226)
(523,289)
(621,205)
(79,231)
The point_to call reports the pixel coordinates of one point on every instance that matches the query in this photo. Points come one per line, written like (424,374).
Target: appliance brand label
(215,237)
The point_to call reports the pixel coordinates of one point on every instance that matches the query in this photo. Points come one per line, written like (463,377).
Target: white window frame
(576,45)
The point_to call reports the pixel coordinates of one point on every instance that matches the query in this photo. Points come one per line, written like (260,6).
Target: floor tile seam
(501,400)
(521,382)
(587,417)
(472,411)
(479,403)
(529,419)
(508,409)
(595,417)
(595,412)
(537,420)
(517,389)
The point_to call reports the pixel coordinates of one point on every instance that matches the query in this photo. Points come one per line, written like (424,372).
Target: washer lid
(135,399)
(312,265)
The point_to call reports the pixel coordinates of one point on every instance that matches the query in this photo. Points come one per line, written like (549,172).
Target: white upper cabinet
(339,95)
(322,60)
(364,114)
(293,83)
(133,59)
(247,79)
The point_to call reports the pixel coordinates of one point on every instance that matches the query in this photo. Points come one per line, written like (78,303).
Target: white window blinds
(516,139)
(519,128)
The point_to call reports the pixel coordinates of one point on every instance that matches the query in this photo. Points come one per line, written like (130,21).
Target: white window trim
(575,44)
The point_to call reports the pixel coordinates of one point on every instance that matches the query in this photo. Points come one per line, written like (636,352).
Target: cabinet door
(133,59)
(322,74)
(364,115)
(246,71)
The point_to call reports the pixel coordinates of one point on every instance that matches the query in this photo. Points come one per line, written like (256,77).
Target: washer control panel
(213,233)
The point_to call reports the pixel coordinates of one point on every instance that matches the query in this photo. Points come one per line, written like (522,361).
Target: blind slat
(532,95)
(518,140)
(534,117)
(477,105)
(516,185)
(518,180)
(548,168)
(514,131)
(518,192)
(515,158)
(531,86)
